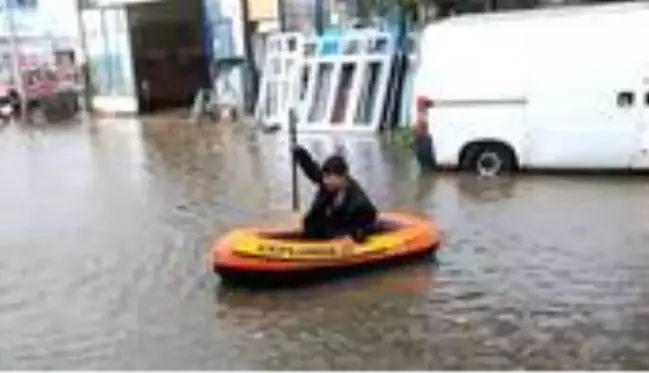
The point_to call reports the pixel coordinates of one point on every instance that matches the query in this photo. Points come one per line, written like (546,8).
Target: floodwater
(104,231)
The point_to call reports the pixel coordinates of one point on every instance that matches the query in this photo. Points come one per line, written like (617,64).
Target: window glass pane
(6,72)
(300,15)
(109,49)
(219,30)
(223,44)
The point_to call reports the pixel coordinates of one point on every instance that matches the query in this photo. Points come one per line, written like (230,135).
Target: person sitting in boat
(341,208)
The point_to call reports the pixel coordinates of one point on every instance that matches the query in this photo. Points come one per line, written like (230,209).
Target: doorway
(169,57)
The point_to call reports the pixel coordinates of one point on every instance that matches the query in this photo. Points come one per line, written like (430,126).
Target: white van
(560,88)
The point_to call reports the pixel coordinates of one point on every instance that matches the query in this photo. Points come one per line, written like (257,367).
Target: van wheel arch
(488,158)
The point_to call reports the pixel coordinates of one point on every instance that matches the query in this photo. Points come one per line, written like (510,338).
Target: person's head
(335,173)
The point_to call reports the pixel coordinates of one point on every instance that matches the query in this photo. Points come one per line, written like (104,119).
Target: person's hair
(336,165)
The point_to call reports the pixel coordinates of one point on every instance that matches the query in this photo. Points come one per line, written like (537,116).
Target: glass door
(111,70)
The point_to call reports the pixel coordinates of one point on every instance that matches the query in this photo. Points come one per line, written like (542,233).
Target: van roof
(541,13)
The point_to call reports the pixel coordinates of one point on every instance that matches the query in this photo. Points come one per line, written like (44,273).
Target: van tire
(488,159)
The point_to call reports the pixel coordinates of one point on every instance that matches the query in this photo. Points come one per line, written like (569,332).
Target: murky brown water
(103,235)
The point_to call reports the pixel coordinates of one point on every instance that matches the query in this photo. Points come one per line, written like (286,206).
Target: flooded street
(104,232)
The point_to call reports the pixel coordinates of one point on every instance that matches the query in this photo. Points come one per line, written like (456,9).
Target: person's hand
(297,148)
(359,237)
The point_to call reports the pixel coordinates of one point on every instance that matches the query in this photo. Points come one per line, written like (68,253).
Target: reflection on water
(104,229)
(486,190)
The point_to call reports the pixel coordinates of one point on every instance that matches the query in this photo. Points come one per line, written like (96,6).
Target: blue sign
(22,4)
(217,31)
(331,43)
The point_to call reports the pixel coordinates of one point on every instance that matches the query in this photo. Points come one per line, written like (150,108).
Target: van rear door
(640,159)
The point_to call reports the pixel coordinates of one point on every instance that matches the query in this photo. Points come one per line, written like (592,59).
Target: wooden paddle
(295,215)
(292,131)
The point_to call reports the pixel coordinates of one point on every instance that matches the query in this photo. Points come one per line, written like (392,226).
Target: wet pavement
(103,234)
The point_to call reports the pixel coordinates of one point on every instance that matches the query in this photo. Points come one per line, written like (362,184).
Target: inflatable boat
(267,256)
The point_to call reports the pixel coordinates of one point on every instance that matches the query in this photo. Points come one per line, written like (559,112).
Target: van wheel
(489,160)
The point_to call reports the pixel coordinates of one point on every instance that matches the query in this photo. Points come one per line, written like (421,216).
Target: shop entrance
(169,60)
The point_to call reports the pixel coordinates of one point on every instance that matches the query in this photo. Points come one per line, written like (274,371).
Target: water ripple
(103,237)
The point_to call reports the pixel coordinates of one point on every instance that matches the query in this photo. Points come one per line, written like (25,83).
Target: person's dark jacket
(356,216)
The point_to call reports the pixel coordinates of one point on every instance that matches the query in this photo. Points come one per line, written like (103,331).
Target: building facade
(136,47)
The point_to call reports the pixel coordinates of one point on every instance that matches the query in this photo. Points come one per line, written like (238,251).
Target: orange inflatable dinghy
(266,256)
